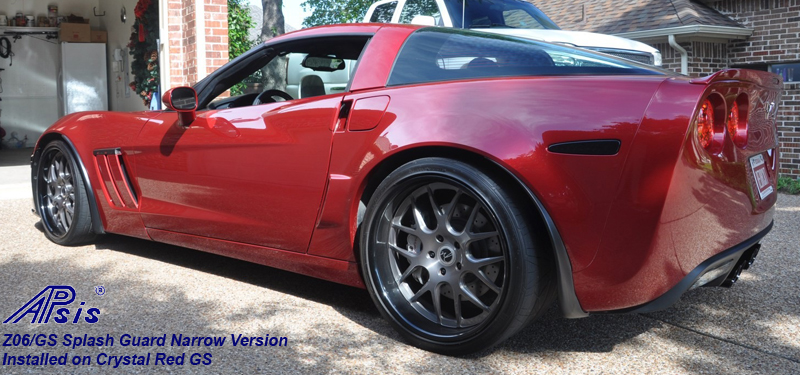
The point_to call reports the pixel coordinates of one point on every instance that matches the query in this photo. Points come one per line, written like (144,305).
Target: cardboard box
(75,32)
(99,36)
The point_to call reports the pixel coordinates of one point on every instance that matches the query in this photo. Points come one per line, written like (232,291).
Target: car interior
(261,75)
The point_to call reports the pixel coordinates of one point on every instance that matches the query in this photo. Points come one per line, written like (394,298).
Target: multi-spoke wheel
(449,258)
(61,196)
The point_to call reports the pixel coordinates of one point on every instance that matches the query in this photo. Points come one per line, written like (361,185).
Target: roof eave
(706,32)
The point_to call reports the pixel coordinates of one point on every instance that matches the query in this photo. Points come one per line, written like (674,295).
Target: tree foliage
(240,21)
(327,12)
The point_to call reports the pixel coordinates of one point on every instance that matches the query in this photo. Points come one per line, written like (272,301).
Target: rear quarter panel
(510,121)
(678,204)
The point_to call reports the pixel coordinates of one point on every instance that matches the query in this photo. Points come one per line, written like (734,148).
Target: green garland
(144,49)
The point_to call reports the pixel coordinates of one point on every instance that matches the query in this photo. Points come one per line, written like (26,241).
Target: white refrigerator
(82,80)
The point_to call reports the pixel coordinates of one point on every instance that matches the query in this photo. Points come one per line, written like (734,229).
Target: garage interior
(35,88)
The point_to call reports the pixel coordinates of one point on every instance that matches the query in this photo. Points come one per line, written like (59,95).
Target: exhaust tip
(746,260)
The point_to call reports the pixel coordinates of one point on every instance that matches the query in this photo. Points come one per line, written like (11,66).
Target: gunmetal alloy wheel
(61,196)
(58,200)
(443,254)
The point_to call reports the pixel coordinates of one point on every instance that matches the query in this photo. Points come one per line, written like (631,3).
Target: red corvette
(467,180)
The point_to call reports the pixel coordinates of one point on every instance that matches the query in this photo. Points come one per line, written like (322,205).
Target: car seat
(312,86)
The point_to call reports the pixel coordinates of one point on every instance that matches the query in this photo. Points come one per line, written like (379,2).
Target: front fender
(85,132)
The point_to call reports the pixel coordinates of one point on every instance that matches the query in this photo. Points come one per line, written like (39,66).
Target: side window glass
(302,82)
(383,13)
(293,70)
(414,8)
(431,55)
(272,75)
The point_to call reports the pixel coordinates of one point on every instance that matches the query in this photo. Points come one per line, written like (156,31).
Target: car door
(254,174)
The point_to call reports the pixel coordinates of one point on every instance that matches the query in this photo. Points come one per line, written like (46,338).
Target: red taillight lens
(705,124)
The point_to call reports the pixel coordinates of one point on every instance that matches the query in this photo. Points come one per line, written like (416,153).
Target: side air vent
(595,147)
(116,182)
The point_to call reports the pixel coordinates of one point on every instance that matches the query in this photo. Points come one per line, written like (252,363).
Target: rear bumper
(730,261)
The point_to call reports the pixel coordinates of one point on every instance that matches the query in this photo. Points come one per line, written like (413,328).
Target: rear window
(438,54)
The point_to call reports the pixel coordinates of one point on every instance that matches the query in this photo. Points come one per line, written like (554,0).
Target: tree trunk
(272,26)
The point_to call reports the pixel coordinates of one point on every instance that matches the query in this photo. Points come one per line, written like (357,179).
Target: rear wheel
(449,258)
(61,197)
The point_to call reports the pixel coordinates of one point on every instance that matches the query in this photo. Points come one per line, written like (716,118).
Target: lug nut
(458,266)
(443,271)
(431,254)
(439,238)
(457,245)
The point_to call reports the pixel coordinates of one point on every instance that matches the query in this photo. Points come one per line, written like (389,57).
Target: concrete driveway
(153,289)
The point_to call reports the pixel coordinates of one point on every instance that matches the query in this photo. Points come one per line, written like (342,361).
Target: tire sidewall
(514,304)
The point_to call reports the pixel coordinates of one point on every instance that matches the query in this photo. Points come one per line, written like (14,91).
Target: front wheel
(450,259)
(61,198)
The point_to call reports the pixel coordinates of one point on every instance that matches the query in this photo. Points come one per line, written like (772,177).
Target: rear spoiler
(764,79)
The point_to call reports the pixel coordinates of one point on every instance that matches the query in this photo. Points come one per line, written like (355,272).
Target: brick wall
(789,131)
(704,58)
(175,43)
(776,39)
(216,24)
(671,59)
(183,39)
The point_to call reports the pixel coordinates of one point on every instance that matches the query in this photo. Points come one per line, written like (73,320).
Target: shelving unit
(22,30)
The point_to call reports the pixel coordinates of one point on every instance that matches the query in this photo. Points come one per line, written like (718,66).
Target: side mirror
(423,20)
(184,101)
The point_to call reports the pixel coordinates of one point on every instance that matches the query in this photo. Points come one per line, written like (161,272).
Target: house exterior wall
(198,39)
(704,57)
(775,39)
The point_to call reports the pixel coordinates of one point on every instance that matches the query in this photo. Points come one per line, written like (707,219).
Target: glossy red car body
(280,184)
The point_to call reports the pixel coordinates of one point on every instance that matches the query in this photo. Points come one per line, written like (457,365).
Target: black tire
(445,289)
(61,199)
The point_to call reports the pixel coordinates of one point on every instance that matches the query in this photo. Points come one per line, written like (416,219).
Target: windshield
(498,13)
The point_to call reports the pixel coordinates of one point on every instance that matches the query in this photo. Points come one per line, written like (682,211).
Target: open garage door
(45,78)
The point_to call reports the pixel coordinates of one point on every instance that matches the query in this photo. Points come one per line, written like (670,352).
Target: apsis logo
(51,298)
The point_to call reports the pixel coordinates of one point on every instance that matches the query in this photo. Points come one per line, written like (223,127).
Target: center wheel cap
(447,256)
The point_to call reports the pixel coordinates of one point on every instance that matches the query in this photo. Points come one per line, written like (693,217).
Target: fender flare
(570,306)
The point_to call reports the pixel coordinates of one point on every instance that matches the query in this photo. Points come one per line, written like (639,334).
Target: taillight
(705,124)
(737,121)
(711,123)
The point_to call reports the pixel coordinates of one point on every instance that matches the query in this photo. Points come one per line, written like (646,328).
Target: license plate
(760,176)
